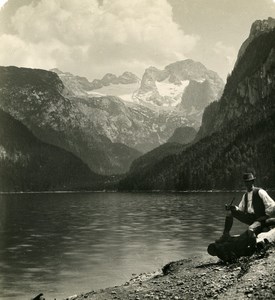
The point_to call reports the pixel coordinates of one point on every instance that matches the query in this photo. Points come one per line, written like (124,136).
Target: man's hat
(248,177)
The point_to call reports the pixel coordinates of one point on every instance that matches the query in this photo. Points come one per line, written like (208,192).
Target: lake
(63,244)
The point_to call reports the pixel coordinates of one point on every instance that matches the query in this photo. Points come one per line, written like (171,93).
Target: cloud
(226,53)
(91,39)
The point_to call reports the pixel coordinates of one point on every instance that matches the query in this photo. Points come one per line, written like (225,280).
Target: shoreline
(197,278)
(271,189)
(129,192)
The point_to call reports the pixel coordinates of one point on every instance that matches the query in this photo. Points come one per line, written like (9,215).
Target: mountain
(155,156)
(125,78)
(184,85)
(237,132)
(249,89)
(27,164)
(176,144)
(136,126)
(257,28)
(183,135)
(118,108)
(40,101)
(75,84)
(197,96)
(110,84)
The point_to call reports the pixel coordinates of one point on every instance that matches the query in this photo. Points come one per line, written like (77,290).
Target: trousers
(255,223)
(249,219)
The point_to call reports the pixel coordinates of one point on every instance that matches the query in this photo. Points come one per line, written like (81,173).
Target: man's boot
(227,227)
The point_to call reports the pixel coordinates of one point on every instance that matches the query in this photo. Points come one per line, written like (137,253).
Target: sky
(93,37)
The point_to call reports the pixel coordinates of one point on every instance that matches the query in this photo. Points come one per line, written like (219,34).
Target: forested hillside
(27,164)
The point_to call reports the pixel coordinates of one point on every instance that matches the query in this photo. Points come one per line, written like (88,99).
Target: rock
(39,297)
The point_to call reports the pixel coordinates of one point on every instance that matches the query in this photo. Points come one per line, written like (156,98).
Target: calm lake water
(65,244)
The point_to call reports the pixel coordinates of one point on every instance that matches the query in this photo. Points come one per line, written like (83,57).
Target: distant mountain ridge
(173,89)
(80,85)
(121,111)
(237,132)
(109,78)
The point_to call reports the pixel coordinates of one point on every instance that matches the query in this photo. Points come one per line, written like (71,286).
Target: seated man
(255,209)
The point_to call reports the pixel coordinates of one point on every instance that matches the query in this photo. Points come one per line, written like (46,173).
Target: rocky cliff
(177,87)
(257,28)
(76,85)
(250,88)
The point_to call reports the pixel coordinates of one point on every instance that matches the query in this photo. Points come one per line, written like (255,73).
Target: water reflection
(62,244)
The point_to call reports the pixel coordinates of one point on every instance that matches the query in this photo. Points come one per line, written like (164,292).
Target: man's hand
(231,207)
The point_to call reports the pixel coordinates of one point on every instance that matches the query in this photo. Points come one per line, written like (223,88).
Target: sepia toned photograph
(137,149)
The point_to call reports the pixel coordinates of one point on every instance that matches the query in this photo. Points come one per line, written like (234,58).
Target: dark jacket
(257,203)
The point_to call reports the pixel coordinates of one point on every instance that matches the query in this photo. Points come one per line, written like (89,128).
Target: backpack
(234,247)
